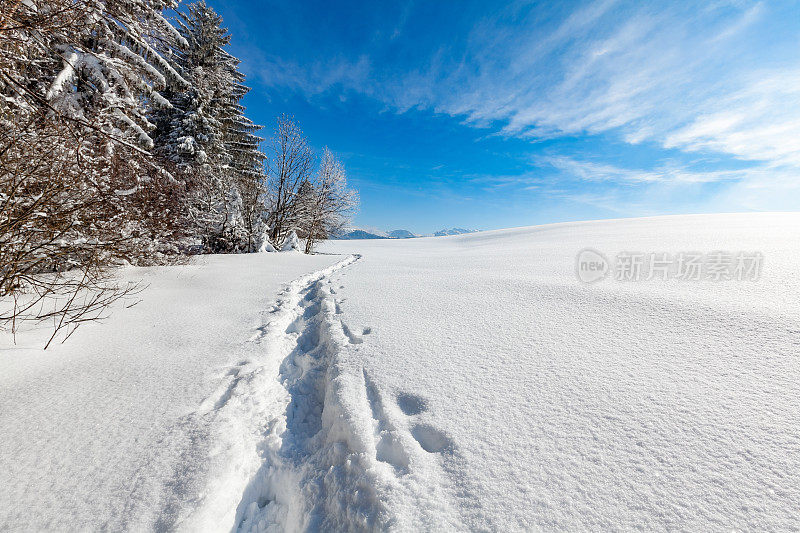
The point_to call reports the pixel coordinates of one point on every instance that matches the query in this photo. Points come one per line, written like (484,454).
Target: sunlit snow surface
(515,397)
(109,430)
(443,383)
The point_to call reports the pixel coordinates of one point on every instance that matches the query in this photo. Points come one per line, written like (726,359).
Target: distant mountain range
(356,234)
(359,234)
(401,234)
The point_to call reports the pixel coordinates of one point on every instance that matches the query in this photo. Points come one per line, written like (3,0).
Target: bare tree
(327,203)
(59,232)
(79,191)
(290,165)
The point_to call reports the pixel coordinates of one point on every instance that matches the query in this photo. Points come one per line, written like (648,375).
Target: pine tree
(109,64)
(189,131)
(246,162)
(206,134)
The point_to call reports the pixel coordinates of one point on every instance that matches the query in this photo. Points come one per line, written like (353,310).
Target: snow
(65,76)
(106,431)
(292,243)
(505,395)
(460,383)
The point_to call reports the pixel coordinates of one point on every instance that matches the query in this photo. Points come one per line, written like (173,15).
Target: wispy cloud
(760,121)
(674,186)
(312,77)
(644,72)
(673,75)
(670,173)
(697,79)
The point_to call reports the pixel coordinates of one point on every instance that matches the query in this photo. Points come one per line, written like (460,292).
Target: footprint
(312,310)
(389,450)
(354,339)
(297,325)
(226,395)
(431,439)
(261,332)
(312,293)
(220,397)
(411,404)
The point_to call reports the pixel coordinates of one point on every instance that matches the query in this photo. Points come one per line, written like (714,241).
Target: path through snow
(104,432)
(267,411)
(325,451)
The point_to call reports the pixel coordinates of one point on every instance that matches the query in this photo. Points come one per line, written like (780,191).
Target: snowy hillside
(466,383)
(498,392)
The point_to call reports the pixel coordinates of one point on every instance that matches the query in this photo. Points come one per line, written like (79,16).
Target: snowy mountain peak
(401,234)
(359,234)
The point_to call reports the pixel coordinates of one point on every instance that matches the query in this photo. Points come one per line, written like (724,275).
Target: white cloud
(604,172)
(645,73)
(311,78)
(673,75)
(641,192)
(688,77)
(760,121)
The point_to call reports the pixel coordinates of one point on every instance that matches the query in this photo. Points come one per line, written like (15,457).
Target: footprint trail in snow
(307,440)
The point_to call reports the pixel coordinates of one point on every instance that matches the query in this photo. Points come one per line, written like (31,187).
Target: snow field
(433,384)
(115,429)
(559,405)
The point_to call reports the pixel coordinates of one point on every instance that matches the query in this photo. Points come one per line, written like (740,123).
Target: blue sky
(487,114)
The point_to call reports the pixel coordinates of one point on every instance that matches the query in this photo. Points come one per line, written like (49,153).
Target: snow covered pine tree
(246,162)
(206,134)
